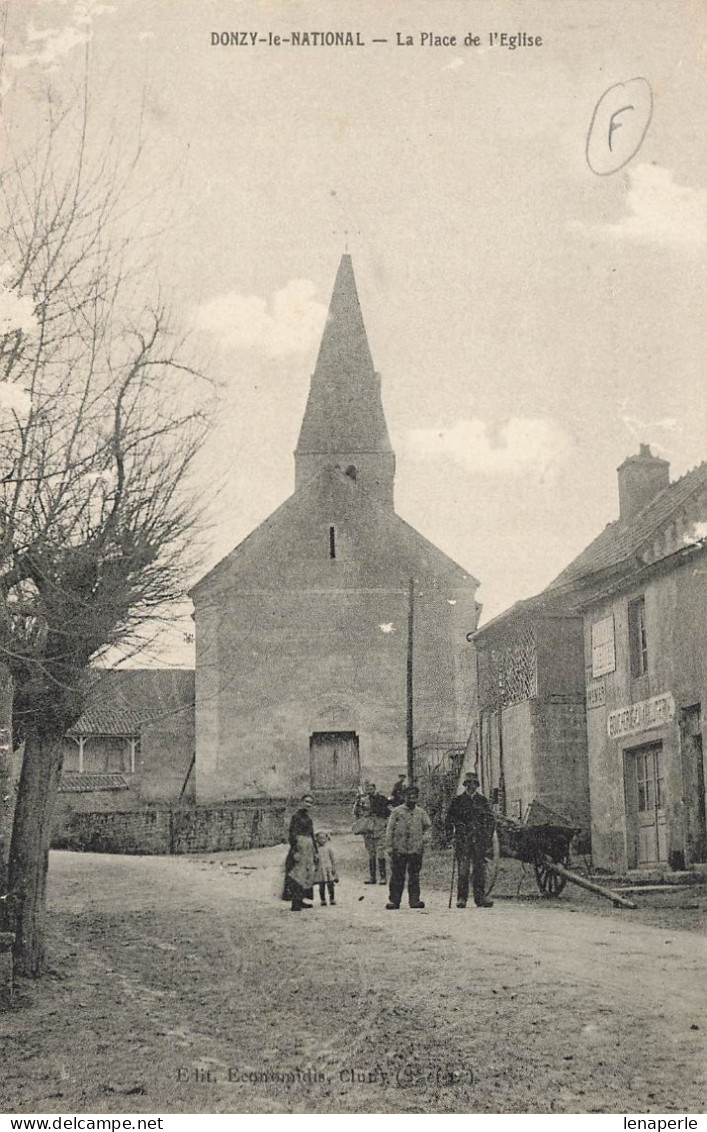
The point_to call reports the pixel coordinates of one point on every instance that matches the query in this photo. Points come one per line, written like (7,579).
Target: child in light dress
(326,876)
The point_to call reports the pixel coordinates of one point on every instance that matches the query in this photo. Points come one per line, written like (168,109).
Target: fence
(437,770)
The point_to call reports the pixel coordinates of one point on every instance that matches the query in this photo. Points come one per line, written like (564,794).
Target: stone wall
(68,803)
(201,830)
(195,829)
(535,748)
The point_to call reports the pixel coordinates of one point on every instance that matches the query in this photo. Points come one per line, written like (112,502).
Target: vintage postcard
(353,507)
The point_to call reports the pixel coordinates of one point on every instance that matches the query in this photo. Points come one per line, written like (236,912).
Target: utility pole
(409,679)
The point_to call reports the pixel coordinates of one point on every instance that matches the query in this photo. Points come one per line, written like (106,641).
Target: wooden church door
(334,760)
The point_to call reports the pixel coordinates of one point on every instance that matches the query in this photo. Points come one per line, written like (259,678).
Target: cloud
(696,535)
(659,211)
(43,47)
(528,446)
(290,321)
(640,429)
(635,425)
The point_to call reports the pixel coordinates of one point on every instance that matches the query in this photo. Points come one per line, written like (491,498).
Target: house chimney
(641,478)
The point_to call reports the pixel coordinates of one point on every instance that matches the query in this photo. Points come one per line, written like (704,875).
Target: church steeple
(344,424)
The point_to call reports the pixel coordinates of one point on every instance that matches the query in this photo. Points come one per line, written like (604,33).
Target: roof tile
(621,540)
(73,783)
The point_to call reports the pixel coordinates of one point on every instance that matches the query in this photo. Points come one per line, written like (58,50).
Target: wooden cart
(535,845)
(543,840)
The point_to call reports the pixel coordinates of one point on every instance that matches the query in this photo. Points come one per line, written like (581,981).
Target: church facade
(335,630)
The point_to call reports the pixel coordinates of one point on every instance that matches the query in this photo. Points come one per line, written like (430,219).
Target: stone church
(335,635)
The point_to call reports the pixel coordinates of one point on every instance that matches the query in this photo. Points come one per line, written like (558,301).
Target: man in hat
(470,819)
(398,795)
(405,841)
(378,811)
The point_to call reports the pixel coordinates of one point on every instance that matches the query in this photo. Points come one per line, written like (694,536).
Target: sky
(534,315)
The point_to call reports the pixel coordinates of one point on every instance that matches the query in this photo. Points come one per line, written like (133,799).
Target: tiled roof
(621,540)
(108,721)
(124,701)
(73,783)
(616,545)
(537,605)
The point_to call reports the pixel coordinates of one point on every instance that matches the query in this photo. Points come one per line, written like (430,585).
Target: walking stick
(451,885)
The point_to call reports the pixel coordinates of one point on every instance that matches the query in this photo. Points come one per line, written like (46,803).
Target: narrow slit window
(332,542)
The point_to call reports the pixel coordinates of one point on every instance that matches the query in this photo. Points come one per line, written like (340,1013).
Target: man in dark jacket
(470,819)
(398,795)
(377,809)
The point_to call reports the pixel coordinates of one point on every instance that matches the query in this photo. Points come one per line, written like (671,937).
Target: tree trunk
(29,850)
(7,784)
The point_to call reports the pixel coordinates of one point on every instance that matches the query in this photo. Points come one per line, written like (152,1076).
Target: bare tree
(99,425)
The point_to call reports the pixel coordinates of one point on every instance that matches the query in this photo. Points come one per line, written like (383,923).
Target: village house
(641,588)
(333,636)
(127,784)
(594,690)
(133,745)
(528,739)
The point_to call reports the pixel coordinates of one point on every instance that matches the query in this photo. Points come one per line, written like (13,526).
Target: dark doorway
(334,760)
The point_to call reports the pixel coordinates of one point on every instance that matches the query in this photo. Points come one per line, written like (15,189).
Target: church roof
(415,555)
(344,415)
(344,410)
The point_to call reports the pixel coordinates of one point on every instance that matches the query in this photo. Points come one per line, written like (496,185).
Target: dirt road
(184,985)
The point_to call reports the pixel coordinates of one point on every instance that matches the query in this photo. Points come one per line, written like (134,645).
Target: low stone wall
(115,831)
(244,825)
(239,825)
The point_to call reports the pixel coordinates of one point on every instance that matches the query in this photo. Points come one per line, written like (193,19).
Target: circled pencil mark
(619,124)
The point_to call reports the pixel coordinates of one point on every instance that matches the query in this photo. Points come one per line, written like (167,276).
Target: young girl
(326,875)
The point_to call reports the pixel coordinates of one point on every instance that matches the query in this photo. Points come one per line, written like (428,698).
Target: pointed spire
(344,350)
(344,412)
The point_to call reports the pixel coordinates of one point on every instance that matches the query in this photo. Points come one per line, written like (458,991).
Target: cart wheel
(550,883)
